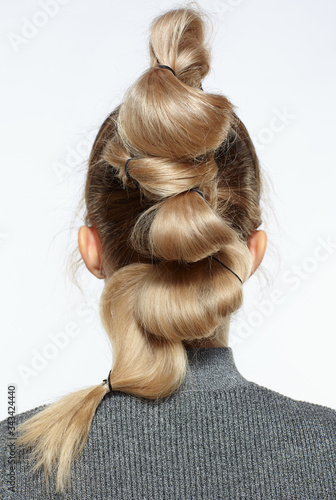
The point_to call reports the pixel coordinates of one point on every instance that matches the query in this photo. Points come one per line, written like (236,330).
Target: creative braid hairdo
(190,197)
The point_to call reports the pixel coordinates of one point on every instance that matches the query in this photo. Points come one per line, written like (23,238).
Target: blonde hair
(163,291)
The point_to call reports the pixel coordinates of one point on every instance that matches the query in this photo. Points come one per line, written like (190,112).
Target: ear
(89,247)
(257,245)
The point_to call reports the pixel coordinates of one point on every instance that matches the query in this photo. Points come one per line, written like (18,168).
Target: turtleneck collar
(211,368)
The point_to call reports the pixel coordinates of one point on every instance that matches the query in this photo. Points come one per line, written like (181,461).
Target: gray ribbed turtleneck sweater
(219,437)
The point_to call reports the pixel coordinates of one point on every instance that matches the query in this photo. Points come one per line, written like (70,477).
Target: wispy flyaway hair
(163,290)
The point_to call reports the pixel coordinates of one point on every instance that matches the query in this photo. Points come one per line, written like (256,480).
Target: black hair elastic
(108,381)
(171,69)
(127,173)
(167,67)
(197,191)
(228,268)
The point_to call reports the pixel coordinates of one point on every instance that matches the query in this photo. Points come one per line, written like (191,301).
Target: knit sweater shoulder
(220,436)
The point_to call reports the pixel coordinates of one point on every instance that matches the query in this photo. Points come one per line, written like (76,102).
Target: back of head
(189,201)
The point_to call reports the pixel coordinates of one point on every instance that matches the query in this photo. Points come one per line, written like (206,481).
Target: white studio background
(67,64)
